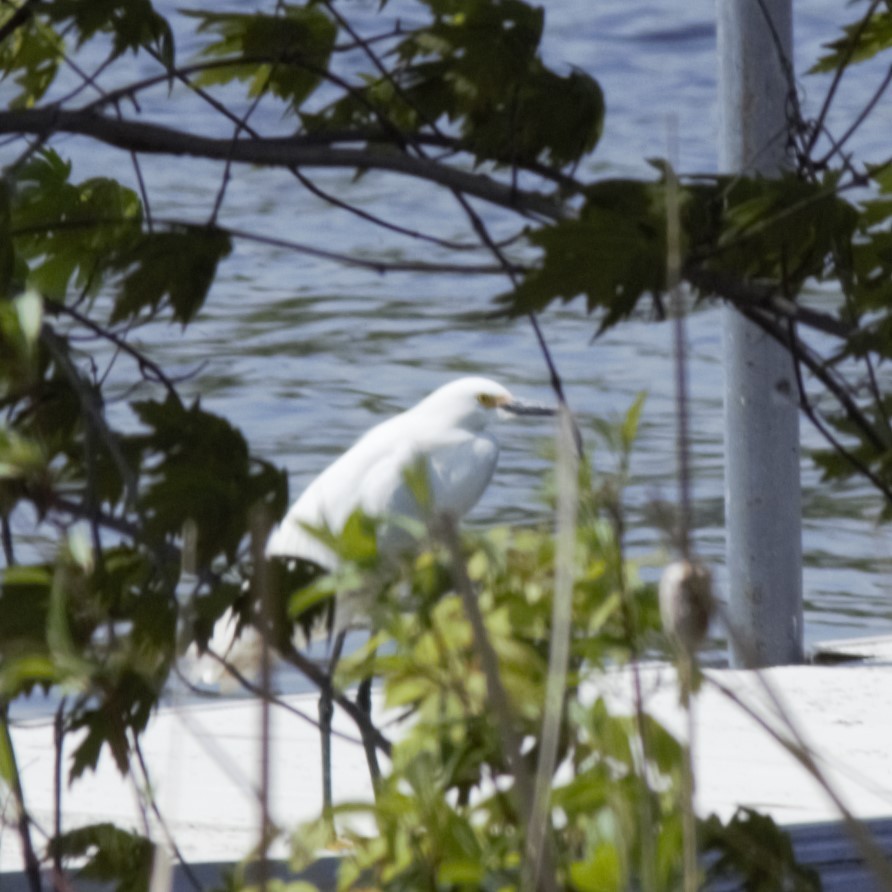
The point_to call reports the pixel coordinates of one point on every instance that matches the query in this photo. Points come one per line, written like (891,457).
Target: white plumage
(446,430)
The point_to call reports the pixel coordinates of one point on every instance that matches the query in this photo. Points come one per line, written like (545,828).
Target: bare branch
(23,819)
(319,678)
(765,297)
(859,120)
(19,17)
(804,355)
(149,369)
(820,425)
(838,75)
(135,136)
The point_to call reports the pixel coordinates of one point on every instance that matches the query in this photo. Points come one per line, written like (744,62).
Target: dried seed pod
(686,602)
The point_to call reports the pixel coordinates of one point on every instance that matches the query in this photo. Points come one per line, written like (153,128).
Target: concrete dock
(204,760)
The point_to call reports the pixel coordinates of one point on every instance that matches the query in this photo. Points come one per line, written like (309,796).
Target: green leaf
(613,253)
(201,471)
(24,604)
(543,117)
(29,309)
(131,23)
(285,54)
(602,872)
(477,66)
(881,174)
(69,231)
(69,586)
(358,540)
(112,856)
(629,426)
(21,674)
(863,40)
(124,701)
(308,600)
(461,872)
(30,56)
(9,771)
(754,850)
(177,266)
(785,230)
(20,457)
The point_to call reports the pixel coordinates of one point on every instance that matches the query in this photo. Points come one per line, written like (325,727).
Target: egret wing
(458,466)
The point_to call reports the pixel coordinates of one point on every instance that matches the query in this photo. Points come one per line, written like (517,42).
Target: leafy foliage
(66,231)
(612,252)
(449,815)
(477,65)
(176,267)
(205,476)
(783,231)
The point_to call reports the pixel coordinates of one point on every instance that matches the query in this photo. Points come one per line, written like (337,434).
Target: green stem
(9,772)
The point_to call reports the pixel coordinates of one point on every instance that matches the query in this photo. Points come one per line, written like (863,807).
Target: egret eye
(487,400)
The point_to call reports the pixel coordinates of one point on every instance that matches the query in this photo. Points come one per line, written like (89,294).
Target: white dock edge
(843,713)
(204,758)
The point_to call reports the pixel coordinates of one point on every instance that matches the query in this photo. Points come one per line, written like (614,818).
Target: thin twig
(860,119)
(319,678)
(149,369)
(262,593)
(93,415)
(58,743)
(257,691)
(512,274)
(23,820)
(822,373)
(819,424)
(838,73)
(686,659)
(380,267)
(567,464)
(673,283)
(764,296)
(6,536)
(156,811)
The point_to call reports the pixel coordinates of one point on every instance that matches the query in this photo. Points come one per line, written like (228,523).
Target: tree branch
(135,136)
(802,354)
(819,424)
(755,295)
(17,19)
(23,819)
(316,675)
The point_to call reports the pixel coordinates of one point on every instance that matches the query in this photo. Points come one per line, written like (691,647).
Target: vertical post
(762,490)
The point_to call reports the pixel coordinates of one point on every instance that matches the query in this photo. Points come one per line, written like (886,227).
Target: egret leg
(326,711)
(364,702)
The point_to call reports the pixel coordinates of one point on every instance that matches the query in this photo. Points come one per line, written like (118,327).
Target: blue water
(305,354)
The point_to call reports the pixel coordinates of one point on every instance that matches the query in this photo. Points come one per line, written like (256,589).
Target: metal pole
(762,490)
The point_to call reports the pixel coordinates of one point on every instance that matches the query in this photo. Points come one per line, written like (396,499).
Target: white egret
(447,434)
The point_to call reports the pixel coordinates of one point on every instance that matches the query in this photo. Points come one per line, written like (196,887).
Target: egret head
(473,402)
